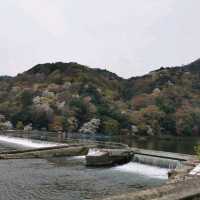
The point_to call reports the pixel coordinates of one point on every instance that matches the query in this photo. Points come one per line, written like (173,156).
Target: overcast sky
(128,37)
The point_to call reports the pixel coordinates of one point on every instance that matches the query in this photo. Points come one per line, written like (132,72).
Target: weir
(156,161)
(163,154)
(149,157)
(29,148)
(28,143)
(155,164)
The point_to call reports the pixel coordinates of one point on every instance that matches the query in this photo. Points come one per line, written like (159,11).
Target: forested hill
(71,97)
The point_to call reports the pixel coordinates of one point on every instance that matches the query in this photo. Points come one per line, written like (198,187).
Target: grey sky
(128,37)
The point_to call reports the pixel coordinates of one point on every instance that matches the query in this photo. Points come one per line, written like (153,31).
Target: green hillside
(71,97)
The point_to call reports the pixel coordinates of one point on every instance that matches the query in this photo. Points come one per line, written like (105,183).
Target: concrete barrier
(47,152)
(180,186)
(108,157)
(163,154)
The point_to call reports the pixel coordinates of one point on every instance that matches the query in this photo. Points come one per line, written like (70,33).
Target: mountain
(5,78)
(72,97)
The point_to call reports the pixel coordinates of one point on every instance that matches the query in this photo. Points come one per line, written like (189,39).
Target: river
(183,145)
(69,178)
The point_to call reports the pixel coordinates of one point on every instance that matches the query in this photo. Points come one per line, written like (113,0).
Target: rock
(172,174)
(90,127)
(28,127)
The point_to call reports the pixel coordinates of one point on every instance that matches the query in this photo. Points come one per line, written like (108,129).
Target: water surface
(69,179)
(171,144)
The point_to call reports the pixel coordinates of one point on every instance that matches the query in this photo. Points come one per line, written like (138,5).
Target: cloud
(48,14)
(129,37)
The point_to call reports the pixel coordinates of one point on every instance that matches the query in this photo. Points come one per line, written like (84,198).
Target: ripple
(39,179)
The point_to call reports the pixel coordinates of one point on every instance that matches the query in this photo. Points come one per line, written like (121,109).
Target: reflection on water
(183,145)
(170,144)
(66,178)
(174,144)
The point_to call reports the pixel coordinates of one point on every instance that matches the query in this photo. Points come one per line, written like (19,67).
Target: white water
(91,152)
(95,152)
(27,142)
(139,168)
(154,161)
(195,171)
(145,170)
(78,157)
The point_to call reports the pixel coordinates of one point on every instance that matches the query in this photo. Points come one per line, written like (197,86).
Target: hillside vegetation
(71,97)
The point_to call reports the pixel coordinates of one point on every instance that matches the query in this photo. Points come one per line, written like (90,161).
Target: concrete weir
(108,157)
(181,184)
(46,152)
(30,148)
(160,158)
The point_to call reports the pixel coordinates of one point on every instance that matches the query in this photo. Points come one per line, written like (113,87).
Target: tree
(168,123)
(80,109)
(110,126)
(20,125)
(165,105)
(26,98)
(57,124)
(24,115)
(41,116)
(197,150)
(188,120)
